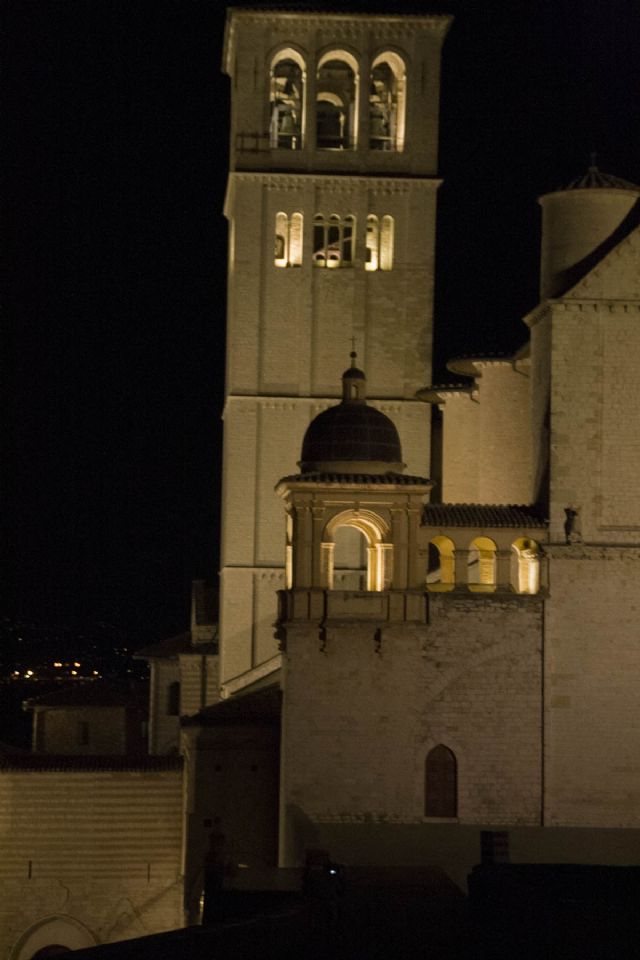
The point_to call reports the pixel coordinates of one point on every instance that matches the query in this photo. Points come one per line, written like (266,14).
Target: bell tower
(331,204)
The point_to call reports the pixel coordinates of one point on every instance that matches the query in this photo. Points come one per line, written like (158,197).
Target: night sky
(117,245)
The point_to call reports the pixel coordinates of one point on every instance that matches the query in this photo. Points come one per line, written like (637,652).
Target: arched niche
(337,101)
(387,102)
(287,77)
(374,530)
(58,933)
(525,565)
(481,569)
(441,564)
(441,783)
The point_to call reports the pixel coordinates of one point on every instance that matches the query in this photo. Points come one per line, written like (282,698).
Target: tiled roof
(595,179)
(169,649)
(262,707)
(43,762)
(481,515)
(398,479)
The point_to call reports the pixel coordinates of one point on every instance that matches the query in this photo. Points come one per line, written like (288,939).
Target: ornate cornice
(346,182)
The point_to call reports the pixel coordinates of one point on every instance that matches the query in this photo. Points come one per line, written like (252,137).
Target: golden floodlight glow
(74,673)
(76,664)
(57,663)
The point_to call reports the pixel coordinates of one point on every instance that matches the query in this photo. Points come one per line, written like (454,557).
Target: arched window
(441,569)
(379,243)
(350,551)
(288,240)
(350,559)
(387,103)
(441,783)
(286,100)
(336,101)
(525,566)
(333,240)
(481,570)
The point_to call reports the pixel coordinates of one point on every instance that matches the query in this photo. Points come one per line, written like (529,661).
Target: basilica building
(424,634)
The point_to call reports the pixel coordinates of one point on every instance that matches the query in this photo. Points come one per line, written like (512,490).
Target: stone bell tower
(331,204)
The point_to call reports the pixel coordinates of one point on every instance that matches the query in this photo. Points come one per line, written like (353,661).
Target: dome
(351,436)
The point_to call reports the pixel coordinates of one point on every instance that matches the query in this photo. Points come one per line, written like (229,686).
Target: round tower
(576,222)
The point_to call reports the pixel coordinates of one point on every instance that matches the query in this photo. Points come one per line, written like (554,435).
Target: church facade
(411,651)
(450,666)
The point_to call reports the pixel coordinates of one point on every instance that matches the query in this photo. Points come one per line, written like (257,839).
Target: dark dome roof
(350,431)
(596,179)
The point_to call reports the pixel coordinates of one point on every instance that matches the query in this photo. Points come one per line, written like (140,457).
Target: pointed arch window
(286,100)
(387,102)
(288,240)
(333,241)
(441,783)
(336,101)
(379,243)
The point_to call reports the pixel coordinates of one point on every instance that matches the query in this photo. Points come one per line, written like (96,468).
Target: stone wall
(362,708)
(100,847)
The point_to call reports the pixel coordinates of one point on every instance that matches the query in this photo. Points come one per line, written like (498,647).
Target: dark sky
(116,252)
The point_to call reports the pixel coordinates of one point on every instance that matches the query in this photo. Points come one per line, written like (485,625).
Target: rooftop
(482,515)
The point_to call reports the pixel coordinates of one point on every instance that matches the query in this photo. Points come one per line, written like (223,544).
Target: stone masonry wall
(591,696)
(361,714)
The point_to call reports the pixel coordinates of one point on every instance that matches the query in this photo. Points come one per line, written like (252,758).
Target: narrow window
(173,699)
(386,243)
(288,240)
(333,241)
(336,101)
(379,243)
(286,101)
(281,253)
(441,786)
(371,262)
(387,103)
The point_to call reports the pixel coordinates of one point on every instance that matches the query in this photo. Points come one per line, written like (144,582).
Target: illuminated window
(482,565)
(333,241)
(525,566)
(379,243)
(387,103)
(286,100)
(441,569)
(288,240)
(441,783)
(336,101)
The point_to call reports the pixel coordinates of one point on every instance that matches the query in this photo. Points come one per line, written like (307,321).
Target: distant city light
(57,663)
(95,673)
(29,673)
(74,673)
(76,664)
